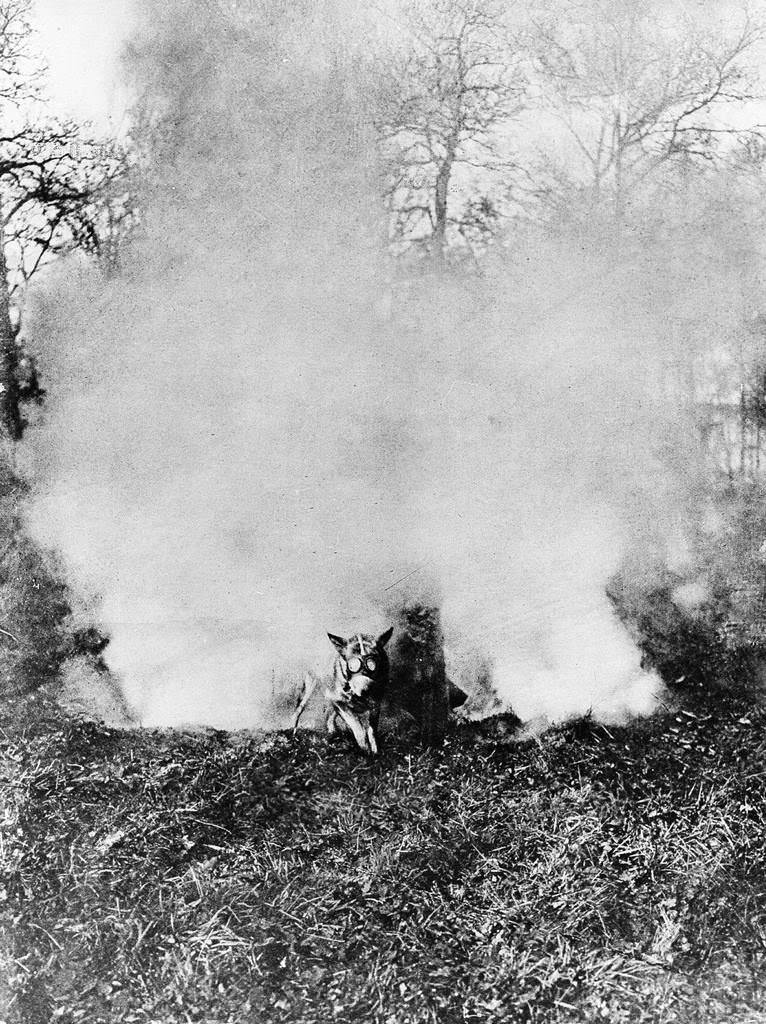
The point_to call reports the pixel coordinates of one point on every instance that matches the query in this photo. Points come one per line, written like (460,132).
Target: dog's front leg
(309,685)
(358,728)
(372,729)
(371,741)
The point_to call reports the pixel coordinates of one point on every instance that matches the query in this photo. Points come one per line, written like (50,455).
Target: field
(594,874)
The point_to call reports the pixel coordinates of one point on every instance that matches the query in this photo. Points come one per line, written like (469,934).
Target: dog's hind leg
(309,685)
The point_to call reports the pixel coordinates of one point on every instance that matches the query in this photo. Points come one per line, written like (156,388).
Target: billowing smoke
(253,437)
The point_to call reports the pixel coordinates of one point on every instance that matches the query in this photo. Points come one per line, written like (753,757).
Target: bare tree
(445,133)
(54,191)
(638,90)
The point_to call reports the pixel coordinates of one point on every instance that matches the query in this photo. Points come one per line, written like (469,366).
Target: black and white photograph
(382,512)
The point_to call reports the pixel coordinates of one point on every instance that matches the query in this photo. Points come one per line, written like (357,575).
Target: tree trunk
(441,200)
(10,412)
(758,448)
(743,432)
(618,198)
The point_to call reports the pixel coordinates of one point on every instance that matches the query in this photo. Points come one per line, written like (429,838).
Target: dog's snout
(359,684)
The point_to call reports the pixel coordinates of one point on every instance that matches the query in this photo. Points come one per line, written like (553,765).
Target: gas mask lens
(356,663)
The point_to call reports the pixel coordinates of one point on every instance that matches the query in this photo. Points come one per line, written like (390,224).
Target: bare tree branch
(633,95)
(58,190)
(459,89)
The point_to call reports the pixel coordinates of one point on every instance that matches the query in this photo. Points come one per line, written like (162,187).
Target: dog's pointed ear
(385,637)
(337,641)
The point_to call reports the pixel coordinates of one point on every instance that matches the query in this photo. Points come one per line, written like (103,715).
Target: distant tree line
(484,121)
(60,189)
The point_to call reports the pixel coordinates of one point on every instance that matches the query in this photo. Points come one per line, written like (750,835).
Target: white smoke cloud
(240,454)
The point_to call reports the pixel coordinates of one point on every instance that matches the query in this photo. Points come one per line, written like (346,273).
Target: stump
(418,678)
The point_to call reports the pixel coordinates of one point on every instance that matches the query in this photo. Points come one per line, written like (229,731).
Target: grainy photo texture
(382,511)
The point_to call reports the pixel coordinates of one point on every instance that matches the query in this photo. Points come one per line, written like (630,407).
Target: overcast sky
(81,42)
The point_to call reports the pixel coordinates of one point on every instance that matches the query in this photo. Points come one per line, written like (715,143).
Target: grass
(592,875)
(598,874)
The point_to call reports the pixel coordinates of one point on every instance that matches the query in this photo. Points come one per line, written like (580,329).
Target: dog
(356,689)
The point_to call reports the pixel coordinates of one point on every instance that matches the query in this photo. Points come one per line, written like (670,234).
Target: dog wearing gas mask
(356,688)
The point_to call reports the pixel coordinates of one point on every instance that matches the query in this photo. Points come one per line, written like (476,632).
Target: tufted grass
(596,874)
